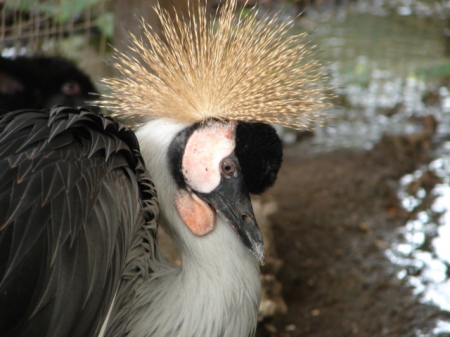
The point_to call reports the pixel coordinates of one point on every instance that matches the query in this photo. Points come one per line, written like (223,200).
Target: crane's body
(81,197)
(62,248)
(78,234)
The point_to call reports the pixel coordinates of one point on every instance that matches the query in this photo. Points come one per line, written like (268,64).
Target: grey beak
(232,200)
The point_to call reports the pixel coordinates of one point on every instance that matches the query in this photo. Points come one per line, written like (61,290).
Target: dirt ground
(337,213)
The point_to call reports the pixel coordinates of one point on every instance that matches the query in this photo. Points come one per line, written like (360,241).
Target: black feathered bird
(42,82)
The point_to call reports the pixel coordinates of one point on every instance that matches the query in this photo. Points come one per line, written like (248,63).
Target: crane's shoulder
(73,193)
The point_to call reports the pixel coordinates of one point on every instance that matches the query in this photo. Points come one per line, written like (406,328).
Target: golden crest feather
(236,66)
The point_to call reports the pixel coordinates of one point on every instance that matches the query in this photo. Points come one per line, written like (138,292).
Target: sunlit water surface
(423,247)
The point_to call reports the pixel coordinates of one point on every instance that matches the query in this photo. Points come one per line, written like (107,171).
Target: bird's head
(216,164)
(225,80)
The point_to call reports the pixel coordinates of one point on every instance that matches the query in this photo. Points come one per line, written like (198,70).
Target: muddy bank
(337,213)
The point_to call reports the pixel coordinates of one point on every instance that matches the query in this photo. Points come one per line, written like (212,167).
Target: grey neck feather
(216,292)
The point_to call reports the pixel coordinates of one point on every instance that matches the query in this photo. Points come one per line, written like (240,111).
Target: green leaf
(105,23)
(70,9)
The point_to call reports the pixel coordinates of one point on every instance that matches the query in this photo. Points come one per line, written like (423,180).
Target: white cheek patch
(204,151)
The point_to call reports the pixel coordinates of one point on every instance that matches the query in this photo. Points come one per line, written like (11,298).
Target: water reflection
(383,106)
(384,62)
(423,248)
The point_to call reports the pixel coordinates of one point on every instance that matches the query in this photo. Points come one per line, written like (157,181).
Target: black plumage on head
(259,151)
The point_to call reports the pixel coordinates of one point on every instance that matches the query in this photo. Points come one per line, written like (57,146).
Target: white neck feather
(219,279)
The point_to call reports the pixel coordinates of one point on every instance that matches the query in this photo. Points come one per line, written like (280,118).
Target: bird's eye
(227,168)
(71,88)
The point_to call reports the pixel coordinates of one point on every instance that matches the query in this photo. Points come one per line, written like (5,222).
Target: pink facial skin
(198,216)
(204,151)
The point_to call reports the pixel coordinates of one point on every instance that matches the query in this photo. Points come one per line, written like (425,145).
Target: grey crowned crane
(81,196)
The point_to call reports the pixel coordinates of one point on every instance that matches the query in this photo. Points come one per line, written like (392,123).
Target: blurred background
(361,230)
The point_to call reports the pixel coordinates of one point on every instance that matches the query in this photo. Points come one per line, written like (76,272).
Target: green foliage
(437,70)
(30,6)
(105,23)
(69,9)
(64,11)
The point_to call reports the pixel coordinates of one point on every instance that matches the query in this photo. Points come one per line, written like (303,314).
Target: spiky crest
(236,66)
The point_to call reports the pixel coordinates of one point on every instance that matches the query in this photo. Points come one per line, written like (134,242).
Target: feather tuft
(237,66)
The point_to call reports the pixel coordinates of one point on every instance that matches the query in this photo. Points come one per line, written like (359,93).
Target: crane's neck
(216,292)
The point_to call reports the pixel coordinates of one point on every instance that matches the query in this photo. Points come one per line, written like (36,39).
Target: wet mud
(337,214)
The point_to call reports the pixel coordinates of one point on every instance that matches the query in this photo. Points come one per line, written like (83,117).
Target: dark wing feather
(73,195)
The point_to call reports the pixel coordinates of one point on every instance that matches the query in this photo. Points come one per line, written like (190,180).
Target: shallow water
(422,248)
